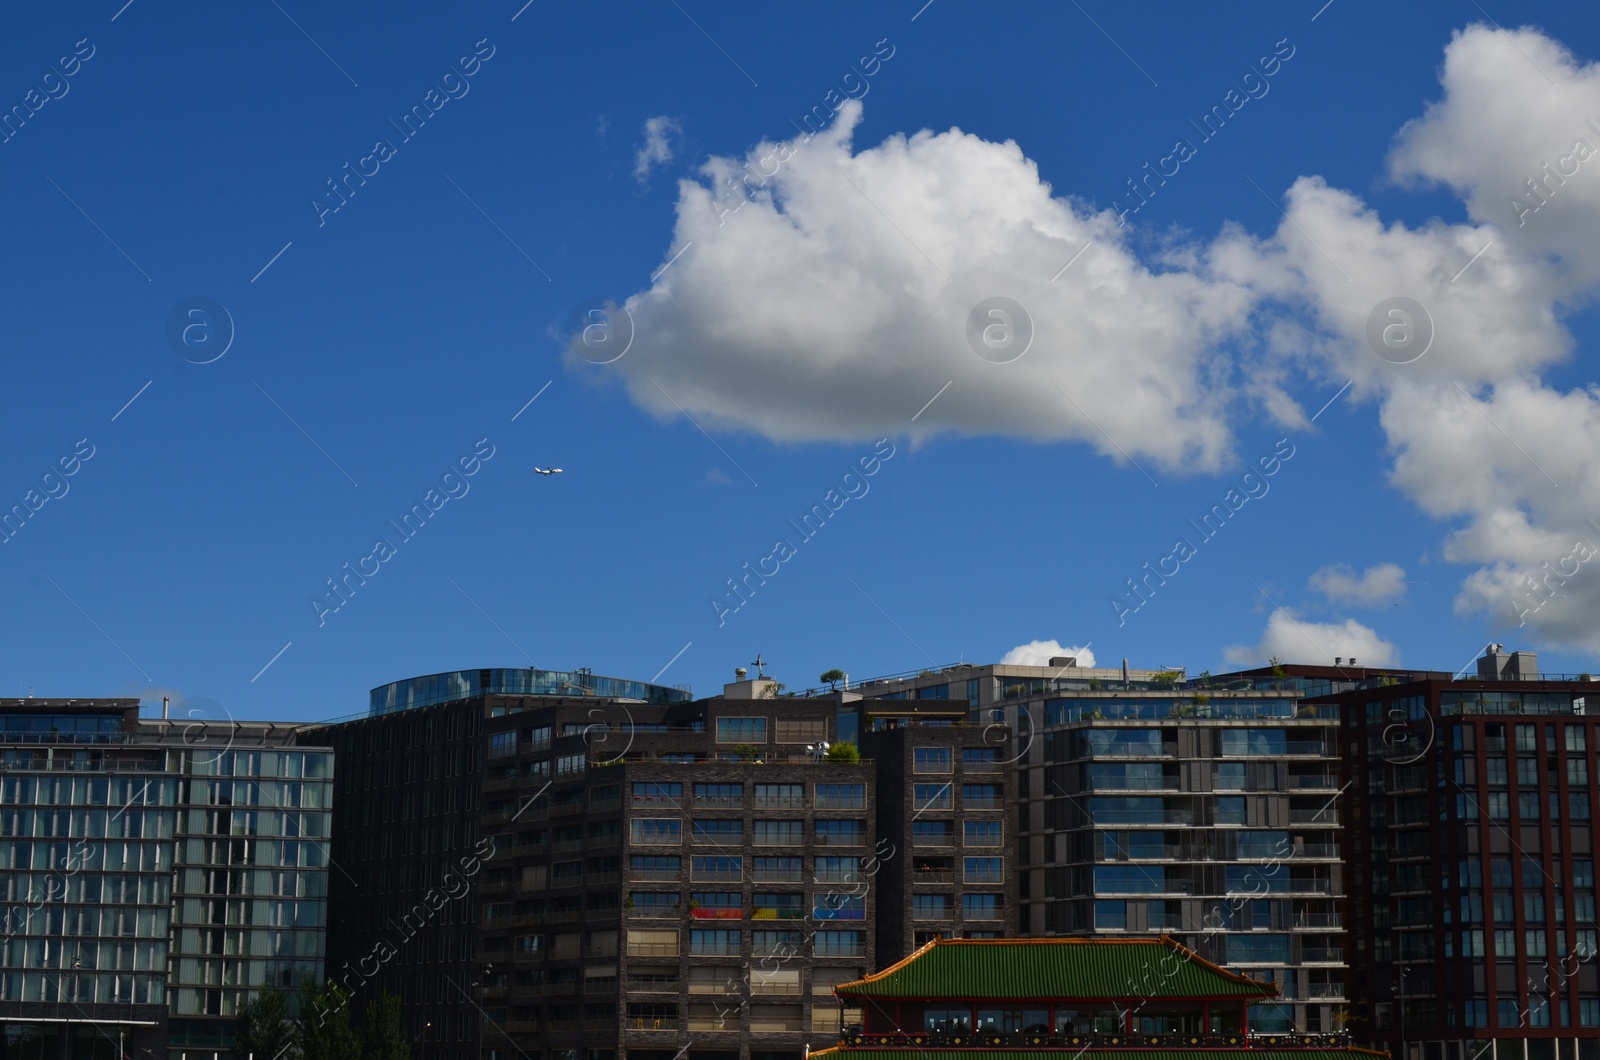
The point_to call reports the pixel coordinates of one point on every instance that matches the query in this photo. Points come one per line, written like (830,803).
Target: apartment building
(154,874)
(620,871)
(1471,851)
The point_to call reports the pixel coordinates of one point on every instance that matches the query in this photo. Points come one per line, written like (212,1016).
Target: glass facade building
(152,875)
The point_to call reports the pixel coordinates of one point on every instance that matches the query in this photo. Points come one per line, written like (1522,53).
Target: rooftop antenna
(165,700)
(758,664)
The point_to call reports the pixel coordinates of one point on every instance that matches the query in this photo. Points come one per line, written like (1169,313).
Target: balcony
(788,876)
(1324,990)
(780,802)
(945,876)
(652,1023)
(654,874)
(848,840)
(716,875)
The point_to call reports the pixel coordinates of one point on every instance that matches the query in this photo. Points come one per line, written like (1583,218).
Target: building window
(983,870)
(801,730)
(716,905)
(779,833)
(840,943)
(778,870)
(1576,738)
(1527,737)
(1528,805)
(716,869)
(838,869)
(980,796)
(719,831)
(714,942)
(502,744)
(654,903)
(657,831)
(1505,943)
(657,791)
(718,794)
(1578,805)
(981,833)
(931,759)
(776,943)
(980,906)
(569,765)
(656,866)
(930,907)
(931,796)
(1111,915)
(780,796)
(781,906)
(1499,806)
(1588,1007)
(932,833)
(841,796)
(653,943)
(741,730)
(841,833)
(839,907)
(980,759)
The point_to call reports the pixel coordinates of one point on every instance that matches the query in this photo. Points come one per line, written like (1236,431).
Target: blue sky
(571,158)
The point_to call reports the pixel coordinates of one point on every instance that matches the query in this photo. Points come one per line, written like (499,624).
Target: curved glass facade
(462,684)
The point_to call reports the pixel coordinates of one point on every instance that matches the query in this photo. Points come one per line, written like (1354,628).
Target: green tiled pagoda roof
(1081,969)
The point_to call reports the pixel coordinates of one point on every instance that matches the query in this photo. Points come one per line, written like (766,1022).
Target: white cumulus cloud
(1040,652)
(1291,639)
(833,304)
(657,147)
(821,291)
(1375,585)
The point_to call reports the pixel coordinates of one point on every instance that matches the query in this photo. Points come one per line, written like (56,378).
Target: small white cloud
(1315,643)
(1375,585)
(657,147)
(718,477)
(1040,652)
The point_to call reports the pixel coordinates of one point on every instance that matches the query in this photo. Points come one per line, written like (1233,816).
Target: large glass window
(983,870)
(1252,742)
(839,906)
(782,906)
(657,831)
(980,906)
(779,833)
(841,796)
(840,943)
(776,943)
(1110,915)
(931,760)
(714,942)
(780,796)
(838,869)
(931,796)
(930,907)
(981,833)
(723,832)
(778,870)
(716,868)
(742,730)
(841,833)
(718,794)
(1130,879)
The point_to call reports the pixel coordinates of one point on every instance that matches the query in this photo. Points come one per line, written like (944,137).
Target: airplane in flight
(547,471)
